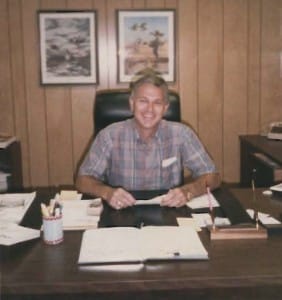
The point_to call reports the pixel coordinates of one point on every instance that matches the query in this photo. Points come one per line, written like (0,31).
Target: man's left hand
(174,198)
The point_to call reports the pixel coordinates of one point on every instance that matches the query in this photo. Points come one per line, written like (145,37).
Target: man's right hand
(120,198)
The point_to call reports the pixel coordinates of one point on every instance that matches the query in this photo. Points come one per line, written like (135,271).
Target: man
(146,153)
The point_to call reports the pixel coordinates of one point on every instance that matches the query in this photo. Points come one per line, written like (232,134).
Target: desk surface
(250,269)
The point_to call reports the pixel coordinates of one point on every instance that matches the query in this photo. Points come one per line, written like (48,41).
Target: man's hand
(120,198)
(174,198)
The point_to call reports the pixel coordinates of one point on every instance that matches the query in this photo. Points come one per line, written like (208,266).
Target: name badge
(169,161)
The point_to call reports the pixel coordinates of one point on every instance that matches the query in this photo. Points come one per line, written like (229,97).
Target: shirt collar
(157,135)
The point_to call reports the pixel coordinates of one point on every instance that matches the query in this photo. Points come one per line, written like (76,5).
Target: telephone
(275,131)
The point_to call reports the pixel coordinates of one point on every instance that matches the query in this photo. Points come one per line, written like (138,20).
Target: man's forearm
(91,186)
(198,186)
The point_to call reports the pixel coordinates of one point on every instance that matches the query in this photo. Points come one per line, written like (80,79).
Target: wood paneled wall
(228,75)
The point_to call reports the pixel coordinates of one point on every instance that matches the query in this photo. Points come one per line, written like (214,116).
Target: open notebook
(136,245)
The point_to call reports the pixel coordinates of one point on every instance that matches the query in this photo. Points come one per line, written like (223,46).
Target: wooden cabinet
(10,162)
(263,155)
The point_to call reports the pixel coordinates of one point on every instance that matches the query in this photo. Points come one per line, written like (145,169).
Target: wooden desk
(260,153)
(240,269)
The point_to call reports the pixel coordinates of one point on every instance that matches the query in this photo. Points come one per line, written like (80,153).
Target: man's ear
(166,107)
(131,104)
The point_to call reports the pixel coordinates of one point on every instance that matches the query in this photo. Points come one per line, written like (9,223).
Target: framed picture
(68,49)
(146,39)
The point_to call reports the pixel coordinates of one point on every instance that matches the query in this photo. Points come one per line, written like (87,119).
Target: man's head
(148,76)
(148,101)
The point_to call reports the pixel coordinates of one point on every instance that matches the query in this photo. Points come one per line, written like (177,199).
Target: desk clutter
(77,214)
(66,211)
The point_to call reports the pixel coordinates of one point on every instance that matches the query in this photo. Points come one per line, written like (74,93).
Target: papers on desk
(13,233)
(202,202)
(265,219)
(135,245)
(14,206)
(12,210)
(205,220)
(81,214)
(68,195)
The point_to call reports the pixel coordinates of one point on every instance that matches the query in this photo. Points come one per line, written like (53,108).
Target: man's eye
(142,100)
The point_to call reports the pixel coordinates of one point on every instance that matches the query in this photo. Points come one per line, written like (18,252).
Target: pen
(57,209)
(210,206)
(254,197)
(44,210)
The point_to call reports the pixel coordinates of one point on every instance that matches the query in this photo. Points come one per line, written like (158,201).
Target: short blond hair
(148,76)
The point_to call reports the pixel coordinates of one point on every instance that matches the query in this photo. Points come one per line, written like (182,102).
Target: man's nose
(150,106)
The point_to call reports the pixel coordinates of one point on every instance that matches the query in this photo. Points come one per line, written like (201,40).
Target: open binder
(138,245)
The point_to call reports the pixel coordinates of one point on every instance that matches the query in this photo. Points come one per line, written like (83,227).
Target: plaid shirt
(119,157)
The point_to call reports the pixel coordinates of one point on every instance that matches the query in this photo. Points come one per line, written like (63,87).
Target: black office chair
(113,106)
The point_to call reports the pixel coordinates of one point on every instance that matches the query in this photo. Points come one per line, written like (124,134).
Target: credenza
(261,159)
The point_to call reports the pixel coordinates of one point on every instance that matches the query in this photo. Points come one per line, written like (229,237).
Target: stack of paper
(81,214)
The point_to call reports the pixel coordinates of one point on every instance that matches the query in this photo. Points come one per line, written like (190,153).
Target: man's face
(148,106)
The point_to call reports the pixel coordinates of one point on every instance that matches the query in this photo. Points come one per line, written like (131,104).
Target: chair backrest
(113,106)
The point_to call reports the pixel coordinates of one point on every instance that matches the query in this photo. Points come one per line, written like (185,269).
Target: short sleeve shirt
(119,157)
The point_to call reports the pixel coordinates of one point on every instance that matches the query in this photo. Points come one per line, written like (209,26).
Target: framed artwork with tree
(146,39)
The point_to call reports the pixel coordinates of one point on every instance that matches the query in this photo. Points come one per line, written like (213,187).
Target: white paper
(14,206)
(81,214)
(11,234)
(68,195)
(202,202)
(276,188)
(155,200)
(204,220)
(188,222)
(265,219)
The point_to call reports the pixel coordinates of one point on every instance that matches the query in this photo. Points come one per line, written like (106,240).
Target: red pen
(210,206)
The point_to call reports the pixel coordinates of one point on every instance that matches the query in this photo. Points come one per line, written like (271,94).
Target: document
(138,245)
(14,206)
(205,220)
(265,219)
(153,201)
(68,195)
(196,203)
(12,234)
(202,202)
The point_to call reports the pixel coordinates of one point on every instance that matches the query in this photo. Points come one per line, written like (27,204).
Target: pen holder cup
(53,230)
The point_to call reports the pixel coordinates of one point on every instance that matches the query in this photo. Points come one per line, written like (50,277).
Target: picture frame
(68,47)
(145,39)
